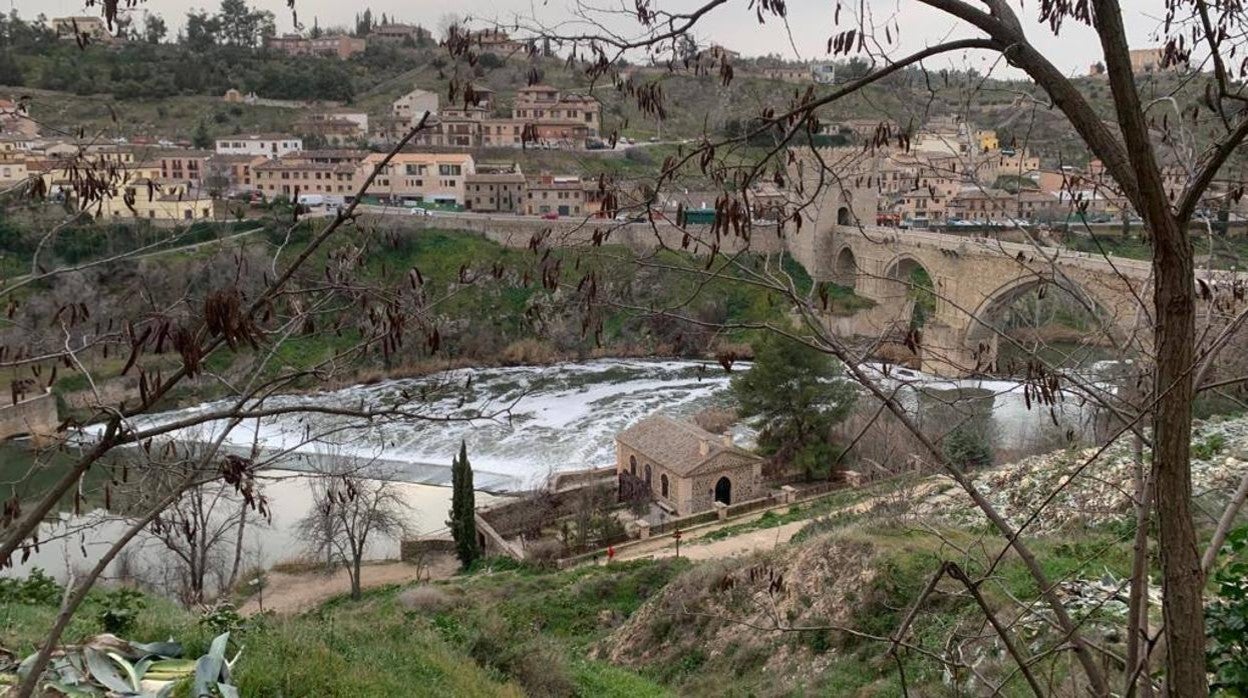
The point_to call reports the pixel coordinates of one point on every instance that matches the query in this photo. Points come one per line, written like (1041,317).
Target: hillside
(168,90)
(810,612)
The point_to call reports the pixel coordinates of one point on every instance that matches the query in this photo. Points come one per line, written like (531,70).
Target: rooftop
(682,447)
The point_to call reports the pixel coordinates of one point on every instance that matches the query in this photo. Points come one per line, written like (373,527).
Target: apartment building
(187,166)
(501,132)
(543,104)
(998,206)
(418,177)
(232,174)
(268,145)
(154,200)
(495,188)
(562,195)
(336,127)
(498,42)
(334,46)
(294,176)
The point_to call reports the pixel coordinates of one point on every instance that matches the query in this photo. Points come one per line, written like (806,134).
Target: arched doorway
(649,475)
(845,268)
(843,216)
(632,465)
(663,485)
(723,490)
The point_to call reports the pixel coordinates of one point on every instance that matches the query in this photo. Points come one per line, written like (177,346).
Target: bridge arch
(845,268)
(985,325)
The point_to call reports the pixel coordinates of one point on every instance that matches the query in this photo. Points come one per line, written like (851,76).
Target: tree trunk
(238,548)
(355,576)
(1182,577)
(1137,615)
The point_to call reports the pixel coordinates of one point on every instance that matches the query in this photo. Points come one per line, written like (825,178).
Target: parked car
(551,216)
(421,212)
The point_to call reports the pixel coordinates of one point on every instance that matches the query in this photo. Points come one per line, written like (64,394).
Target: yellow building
(110,184)
(150,199)
(422,177)
(988,141)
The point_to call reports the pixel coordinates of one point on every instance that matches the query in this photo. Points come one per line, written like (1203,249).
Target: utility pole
(676,535)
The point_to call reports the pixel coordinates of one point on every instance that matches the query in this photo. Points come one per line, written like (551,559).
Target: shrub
(967,447)
(544,553)
(1209,447)
(425,599)
(119,608)
(38,589)
(221,618)
(639,156)
(537,666)
(1227,618)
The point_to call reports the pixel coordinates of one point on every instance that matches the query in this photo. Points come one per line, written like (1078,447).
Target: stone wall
(414,550)
(746,485)
(36,416)
(538,509)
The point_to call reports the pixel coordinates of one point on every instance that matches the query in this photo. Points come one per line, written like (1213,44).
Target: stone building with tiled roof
(686,467)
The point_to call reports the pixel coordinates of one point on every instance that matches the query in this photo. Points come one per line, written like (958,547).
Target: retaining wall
(519,232)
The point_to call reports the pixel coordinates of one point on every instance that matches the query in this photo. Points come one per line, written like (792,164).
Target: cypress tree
(463,525)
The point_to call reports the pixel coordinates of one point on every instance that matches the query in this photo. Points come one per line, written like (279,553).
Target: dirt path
(752,541)
(287,593)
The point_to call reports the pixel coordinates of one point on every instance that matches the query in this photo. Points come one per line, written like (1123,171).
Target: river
(544,419)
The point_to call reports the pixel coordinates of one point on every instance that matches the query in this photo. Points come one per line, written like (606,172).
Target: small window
(663,485)
(649,475)
(632,465)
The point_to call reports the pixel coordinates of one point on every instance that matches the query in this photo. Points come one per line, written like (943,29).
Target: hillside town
(947,175)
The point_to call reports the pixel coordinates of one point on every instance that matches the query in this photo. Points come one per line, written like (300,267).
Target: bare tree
(353,504)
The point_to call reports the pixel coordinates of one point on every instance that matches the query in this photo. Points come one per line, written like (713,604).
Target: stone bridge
(35,417)
(973,280)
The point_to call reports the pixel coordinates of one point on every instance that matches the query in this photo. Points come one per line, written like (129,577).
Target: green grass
(808,511)
(367,648)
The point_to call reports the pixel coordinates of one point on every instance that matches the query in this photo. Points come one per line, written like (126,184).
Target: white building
(272,145)
(415,103)
(823,73)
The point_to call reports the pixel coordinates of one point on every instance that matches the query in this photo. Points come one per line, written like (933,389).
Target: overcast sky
(805,36)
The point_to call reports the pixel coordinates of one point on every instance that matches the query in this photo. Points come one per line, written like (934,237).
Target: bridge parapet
(973,279)
(36,416)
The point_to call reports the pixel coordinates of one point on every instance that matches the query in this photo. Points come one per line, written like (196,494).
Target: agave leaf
(158,649)
(208,668)
(126,666)
(172,666)
(167,690)
(102,670)
(141,667)
(70,690)
(227,690)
